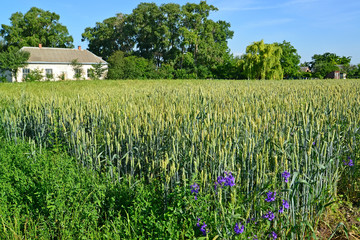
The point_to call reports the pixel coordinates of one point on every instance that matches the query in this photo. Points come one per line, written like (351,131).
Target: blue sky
(311,26)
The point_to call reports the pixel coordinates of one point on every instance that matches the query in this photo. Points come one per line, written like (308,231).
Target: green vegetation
(141,159)
(33,28)
(12,60)
(78,69)
(262,61)
(180,40)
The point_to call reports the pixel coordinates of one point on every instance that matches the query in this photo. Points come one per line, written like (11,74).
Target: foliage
(3,78)
(108,36)
(12,60)
(78,69)
(2,44)
(262,61)
(353,71)
(323,64)
(129,67)
(34,75)
(49,76)
(35,27)
(46,195)
(97,71)
(62,77)
(289,60)
(182,37)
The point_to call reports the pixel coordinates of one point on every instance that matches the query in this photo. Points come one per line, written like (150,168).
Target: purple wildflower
(238,230)
(350,163)
(198,222)
(269,216)
(281,210)
(227,180)
(203,229)
(195,189)
(270,197)
(285,205)
(286,175)
(314,143)
(273,235)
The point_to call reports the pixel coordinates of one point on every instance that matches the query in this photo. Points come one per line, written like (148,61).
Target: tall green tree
(109,36)
(12,60)
(178,37)
(202,38)
(289,60)
(35,27)
(262,61)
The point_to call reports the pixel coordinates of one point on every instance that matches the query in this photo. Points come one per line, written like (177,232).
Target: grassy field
(248,158)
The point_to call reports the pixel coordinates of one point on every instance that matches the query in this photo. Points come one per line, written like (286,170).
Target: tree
(353,71)
(169,35)
(35,27)
(12,60)
(203,39)
(2,45)
(129,67)
(97,70)
(323,64)
(109,36)
(289,60)
(262,61)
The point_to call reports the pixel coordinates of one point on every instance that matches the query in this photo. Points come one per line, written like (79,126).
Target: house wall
(57,70)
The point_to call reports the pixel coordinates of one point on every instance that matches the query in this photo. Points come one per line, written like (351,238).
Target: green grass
(49,196)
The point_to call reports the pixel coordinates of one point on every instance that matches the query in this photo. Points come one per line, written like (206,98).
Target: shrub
(34,75)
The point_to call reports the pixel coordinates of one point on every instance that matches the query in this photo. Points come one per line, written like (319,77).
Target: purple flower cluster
(350,163)
(273,235)
(202,227)
(238,229)
(195,189)
(269,216)
(286,175)
(227,180)
(270,197)
(284,206)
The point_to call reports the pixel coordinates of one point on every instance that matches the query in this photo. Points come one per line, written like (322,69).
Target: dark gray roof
(61,55)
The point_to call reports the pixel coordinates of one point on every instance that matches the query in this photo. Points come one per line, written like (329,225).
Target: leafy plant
(77,67)
(34,75)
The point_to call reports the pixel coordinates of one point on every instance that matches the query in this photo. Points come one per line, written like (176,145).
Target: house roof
(61,55)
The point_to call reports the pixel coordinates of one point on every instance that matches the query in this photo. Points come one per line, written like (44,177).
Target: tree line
(169,41)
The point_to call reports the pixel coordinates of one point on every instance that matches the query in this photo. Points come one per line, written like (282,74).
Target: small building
(336,75)
(305,69)
(55,63)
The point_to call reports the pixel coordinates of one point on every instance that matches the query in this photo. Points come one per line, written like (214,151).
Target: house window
(48,71)
(49,74)
(25,71)
(78,72)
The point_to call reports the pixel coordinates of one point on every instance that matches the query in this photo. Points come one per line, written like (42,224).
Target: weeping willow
(262,61)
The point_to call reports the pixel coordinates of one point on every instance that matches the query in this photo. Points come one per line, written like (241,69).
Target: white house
(56,62)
